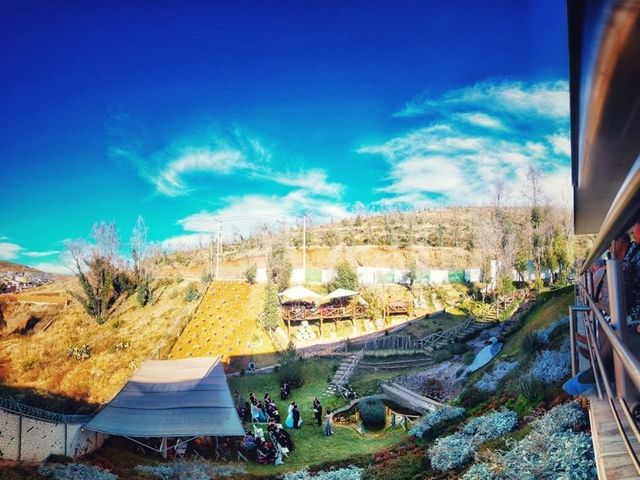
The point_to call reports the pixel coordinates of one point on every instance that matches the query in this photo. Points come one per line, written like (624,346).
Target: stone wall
(30,439)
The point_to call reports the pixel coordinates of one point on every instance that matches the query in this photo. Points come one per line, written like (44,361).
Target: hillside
(16,267)
(51,359)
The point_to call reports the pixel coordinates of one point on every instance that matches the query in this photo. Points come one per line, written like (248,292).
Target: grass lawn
(542,316)
(422,328)
(312,447)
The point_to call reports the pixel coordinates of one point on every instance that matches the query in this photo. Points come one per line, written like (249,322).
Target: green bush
(250,274)
(372,413)
(143,291)
(290,367)
(531,389)
(192,293)
(270,316)
(346,277)
(531,342)
(472,397)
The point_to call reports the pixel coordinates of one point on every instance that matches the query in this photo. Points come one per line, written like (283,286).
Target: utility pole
(304,247)
(218,250)
(211,257)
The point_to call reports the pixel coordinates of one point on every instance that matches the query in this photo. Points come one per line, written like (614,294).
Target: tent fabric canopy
(298,293)
(342,293)
(172,398)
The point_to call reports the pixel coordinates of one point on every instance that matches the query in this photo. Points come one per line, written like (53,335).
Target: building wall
(29,439)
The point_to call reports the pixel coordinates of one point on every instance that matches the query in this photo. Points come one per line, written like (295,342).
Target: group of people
(263,411)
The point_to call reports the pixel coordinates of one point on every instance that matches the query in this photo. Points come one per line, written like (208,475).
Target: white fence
(387,276)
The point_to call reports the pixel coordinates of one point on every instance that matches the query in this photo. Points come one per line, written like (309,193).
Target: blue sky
(250,112)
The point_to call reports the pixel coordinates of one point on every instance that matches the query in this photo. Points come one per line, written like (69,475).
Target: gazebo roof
(298,293)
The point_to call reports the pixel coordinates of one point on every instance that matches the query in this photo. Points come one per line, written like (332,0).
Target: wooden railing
(323,313)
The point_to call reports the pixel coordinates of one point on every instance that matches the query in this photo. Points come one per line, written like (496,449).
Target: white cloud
(175,170)
(246,214)
(544,99)
(46,253)
(480,119)
(52,267)
(460,155)
(9,251)
(561,144)
(170,180)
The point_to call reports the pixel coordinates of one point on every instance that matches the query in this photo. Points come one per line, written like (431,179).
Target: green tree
(346,277)
(278,265)
(270,317)
(250,273)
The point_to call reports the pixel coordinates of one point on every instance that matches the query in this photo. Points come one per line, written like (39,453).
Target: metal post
(218,251)
(618,322)
(572,341)
(65,440)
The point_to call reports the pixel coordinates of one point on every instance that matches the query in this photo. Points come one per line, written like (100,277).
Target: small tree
(290,367)
(412,273)
(346,277)
(279,266)
(270,317)
(250,273)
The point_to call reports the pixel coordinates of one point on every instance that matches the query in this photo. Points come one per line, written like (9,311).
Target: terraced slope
(226,323)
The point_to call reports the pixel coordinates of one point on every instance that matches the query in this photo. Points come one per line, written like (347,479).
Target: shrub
(346,277)
(270,317)
(143,291)
(531,388)
(490,380)
(435,419)
(551,366)
(551,449)
(490,426)
(531,342)
(560,418)
(372,413)
(74,471)
(347,473)
(278,265)
(192,293)
(545,334)
(250,273)
(79,353)
(191,469)
(290,367)
(472,397)
(451,452)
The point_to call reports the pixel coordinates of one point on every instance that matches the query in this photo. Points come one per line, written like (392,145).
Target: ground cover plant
(73,471)
(190,469)
(553,449)
(347,473)
(490,380)
(433,420)
(457,449)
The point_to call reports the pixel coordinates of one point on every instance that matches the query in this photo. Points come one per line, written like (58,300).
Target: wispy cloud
(46,253)
(246,214)
(548,99)
(175,169)
(462,151)
(9,251)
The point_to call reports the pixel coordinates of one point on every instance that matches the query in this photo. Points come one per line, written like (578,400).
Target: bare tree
(139,245)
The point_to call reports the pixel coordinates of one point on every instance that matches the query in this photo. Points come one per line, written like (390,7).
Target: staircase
(346,370)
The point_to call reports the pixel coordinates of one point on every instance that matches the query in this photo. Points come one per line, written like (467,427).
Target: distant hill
(16,267)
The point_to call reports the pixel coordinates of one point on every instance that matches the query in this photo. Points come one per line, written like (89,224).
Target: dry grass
(226,324)
(132,334)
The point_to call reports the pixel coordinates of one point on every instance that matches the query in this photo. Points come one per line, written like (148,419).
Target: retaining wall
(29,439)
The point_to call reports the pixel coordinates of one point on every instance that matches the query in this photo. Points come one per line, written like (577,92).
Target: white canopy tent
(184,398)
(298,293)
(342,293)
